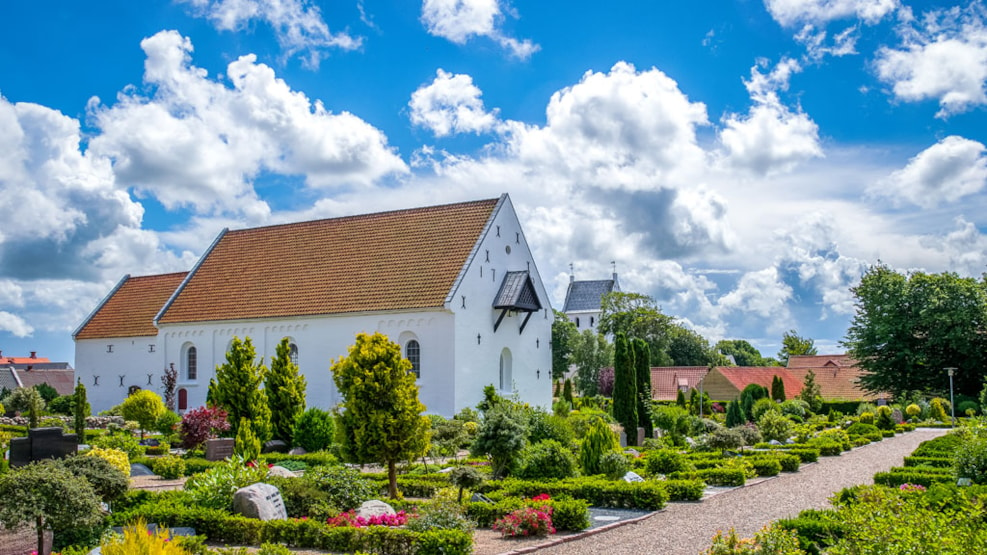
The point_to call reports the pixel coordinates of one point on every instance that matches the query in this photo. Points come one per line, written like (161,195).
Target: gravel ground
(688,528)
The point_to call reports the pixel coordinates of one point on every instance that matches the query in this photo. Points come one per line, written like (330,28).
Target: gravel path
(688,528)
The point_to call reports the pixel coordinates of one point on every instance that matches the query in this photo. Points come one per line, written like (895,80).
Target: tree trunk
(392,480)
(40,524)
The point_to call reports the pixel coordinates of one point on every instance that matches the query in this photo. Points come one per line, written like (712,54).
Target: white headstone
(261,501)
(374,507)
(280,472)
(633,477)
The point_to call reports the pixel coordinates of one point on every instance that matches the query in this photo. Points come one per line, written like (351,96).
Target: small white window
(412,352)
(293,353)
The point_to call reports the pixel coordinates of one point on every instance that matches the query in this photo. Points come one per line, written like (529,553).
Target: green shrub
(715,476)
(826,447)
(816,529)
(169,467)
(884,419)
(273,549)
(971,460)
(666,461)
(887,433)
(123,441)
(598,441)
(215,487)
(805,454)
(614,465)
(684,490)
(346,488)
(570,514)
(314,430)
(940,462)
(762,406)
(961,408)
(942,446)
(546,460)
(543,426)
(774,426)
(598,491)
(866,418)
(441,515)
(862,429)
(896,479)
(765,466)
(723,439)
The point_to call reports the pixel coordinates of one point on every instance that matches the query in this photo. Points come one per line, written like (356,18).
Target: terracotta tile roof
(665,380)
(62,380)
(742,376)
(406,259)
(22,360)
(130,309)
(818,361)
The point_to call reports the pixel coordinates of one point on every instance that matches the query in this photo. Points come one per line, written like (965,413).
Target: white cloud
(771,137)
(451,104)
(298,24)
(945,172)
(760,293)
(820,12)
(14,324)
(943,56)
(460,20)
(965,246)
(196,142)
(819,43)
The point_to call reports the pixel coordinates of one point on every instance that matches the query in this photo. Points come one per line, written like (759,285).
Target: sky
(744,163)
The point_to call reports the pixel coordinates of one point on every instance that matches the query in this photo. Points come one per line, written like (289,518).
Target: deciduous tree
(285,389)
(590,352)
(564,333)
(744,354)
(143,407)
(637,315)
(792,344)
(381,418)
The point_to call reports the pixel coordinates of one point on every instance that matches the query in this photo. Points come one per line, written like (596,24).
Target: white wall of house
(100,363)
(320,341)
(530,352)
(585,319)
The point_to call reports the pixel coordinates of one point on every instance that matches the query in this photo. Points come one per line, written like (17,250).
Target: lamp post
(952,406)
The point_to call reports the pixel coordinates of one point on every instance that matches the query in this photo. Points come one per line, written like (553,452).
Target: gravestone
(374,507)
(297,451)
(633,477)
(137,469)
(274,446)
(280,472)
(640,436)
(42,443)
(261,501)
(623,439)
(219,449)
(897,416)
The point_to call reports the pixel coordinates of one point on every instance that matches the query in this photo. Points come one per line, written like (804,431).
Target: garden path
(688,528)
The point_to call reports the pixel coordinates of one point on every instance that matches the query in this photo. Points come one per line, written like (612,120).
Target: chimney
(34,354)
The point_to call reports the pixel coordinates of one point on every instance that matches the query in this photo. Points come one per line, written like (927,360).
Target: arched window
(412,352)
(191,364)
(505,370)
(591,321)
(182,399)
(577,321)
(293,353)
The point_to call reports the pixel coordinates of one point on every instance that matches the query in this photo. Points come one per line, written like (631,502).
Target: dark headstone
(261,501)
(42,443)
(20,451)
(219,449)
(137,469)
(150,442)
(274,446)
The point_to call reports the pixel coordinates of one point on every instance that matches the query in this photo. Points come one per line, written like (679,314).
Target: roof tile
(130,310)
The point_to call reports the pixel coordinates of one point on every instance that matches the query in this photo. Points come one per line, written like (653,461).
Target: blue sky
(743,163)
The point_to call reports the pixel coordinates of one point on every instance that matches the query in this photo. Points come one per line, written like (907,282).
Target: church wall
(530,352)
(100,363)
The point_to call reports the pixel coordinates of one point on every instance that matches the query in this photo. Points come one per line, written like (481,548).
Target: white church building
(454,285)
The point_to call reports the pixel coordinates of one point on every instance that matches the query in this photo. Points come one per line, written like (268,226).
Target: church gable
(129,310)
(400,260)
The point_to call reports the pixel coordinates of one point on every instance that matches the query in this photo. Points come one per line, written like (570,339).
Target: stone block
(219,449)
(274,446)
(260,501)
(280,472)
(374,507)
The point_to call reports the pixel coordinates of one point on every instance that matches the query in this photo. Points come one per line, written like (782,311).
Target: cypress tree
(747,405)
(237,389)
(694,401)
(80,410)
(567,391)
(735,415)
(777,389)
(625,388)
(642,365)
(599,441)
(680,399)
(285,390)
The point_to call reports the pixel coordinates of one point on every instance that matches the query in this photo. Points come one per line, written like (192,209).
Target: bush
(723,439)
(60,405)
(866,418)
(542,426)
(772,540)
(345,487)
(502,438)
(442,514)
(169,467)
(546,460)
(666,461)
(598,491)
(117,458)
(122,442)
(774,426)
(762,406)
(815,529)
(913,411)
(201,424)
(971,460)
(215,487)
(314,430)
(527,521)
(614,465)
(794,407)
(598,441)
(884,420)
(107,480)
(137,538)
(731,477)
(684,490)
(168,424)
(862,429)
(827,447)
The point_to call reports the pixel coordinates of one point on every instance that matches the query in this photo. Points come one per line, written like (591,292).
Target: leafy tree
(688,348)
(169,380)
(792,344)
(48,393)
(381,418)
(908,328)
(674,422)
(502,437)
(777,389)
(590,352)
(465,477)
(625,388)
(563,335)
(143,407)
(811,392)
(236,389)
(744,354)
(642,355)
(605,385)
(80,410)
(637,315)
(285,390)
(26,399)
(47,495)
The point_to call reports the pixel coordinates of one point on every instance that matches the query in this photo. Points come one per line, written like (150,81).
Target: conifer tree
(680,399)
(777,389)
(598,441)
(625,388)
(735,415)
(381,419)
(285,390)
(642,365)
(80,410)
(237,389)
(811,392)
(567,391)
(246,444)
(747,405)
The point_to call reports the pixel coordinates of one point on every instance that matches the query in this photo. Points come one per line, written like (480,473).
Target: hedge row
(598,491)
(567,514)
(911,476)
(730,477)
(938,462)
(220,526)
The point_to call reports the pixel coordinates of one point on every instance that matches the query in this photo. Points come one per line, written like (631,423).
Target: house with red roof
(725,383)
(667,381)
(838,376)
(33,370)
(455,286)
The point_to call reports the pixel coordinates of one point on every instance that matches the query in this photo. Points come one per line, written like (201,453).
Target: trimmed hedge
(815,529)
(788,461)
(598,491)
(714,476)
(895,479)
(938,462)
(942,446)
(684,490)
(220,526)
(318,458)
(567,514)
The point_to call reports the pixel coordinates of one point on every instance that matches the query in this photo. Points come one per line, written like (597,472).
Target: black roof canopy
(517,293)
